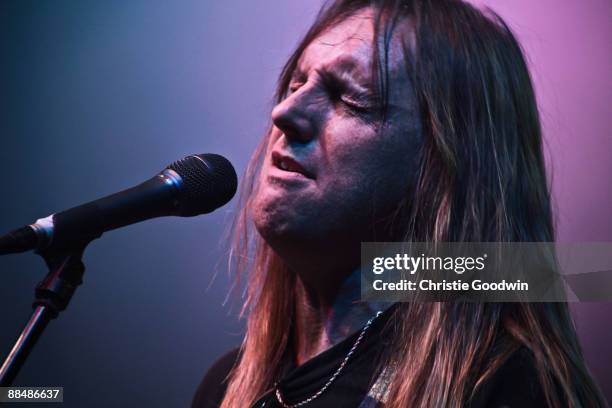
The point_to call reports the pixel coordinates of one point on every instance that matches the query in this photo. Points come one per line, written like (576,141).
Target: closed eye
(357,102)
(340,90)
(294,86)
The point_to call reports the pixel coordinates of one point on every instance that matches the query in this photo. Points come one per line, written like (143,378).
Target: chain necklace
(279,396)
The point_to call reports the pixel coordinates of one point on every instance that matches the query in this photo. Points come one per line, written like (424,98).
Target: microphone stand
(52,296)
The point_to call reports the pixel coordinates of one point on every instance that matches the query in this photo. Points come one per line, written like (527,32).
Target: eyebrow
(339,73)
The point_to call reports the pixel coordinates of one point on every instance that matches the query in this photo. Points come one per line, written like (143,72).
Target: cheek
(360,158)
(369,174)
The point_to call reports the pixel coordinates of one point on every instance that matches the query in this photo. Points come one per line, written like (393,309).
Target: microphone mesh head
(209,181)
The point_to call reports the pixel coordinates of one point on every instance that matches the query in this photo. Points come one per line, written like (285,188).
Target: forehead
(349,46)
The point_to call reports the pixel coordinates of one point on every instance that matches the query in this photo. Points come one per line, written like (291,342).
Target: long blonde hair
(481,178)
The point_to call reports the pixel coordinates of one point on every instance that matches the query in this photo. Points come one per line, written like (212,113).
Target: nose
(294,117)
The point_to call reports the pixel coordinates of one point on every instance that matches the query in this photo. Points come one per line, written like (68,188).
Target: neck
(326,317)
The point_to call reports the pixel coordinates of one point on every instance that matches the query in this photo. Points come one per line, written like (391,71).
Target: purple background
(97,96)
(569,48)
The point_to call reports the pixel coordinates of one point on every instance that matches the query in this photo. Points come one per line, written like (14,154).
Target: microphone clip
(52,295)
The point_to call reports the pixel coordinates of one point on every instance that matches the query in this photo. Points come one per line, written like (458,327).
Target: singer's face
(330,170)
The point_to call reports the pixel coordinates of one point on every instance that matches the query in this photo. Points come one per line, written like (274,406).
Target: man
(396,120)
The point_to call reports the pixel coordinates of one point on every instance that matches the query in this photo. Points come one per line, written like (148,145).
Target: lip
(289,164)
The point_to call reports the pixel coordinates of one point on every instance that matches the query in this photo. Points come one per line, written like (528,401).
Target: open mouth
(289,164)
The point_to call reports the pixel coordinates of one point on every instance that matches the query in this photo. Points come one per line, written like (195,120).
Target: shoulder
(212,388)
(515,384)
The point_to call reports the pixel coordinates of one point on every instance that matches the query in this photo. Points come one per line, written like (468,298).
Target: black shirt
(514,384)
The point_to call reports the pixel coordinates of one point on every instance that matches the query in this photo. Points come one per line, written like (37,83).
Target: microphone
(197,184)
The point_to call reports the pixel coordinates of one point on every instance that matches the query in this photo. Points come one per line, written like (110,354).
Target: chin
(283,225)
(271,218)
